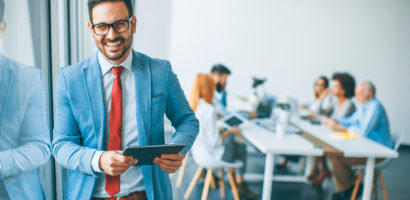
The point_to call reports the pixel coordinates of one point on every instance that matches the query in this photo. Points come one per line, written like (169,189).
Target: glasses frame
(112,26)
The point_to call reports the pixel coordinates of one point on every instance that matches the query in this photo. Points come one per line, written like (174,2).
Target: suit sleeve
(34,138)
(180,113)
(67,148)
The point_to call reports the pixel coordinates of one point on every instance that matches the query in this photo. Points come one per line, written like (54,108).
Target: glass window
(25,118)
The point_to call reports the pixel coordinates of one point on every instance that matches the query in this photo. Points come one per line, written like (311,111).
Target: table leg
(308,165)
(267,180)
(368,178)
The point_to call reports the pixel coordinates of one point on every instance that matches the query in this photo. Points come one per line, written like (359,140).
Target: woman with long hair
(221,144)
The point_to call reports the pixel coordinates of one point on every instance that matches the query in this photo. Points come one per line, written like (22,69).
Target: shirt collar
(106,65)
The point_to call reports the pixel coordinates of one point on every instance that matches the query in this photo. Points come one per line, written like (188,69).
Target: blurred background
(290,43)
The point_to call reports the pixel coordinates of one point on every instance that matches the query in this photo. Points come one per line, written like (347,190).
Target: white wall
(290,42)
(153,27)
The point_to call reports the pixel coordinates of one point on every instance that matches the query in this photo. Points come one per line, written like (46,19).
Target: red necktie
(112,183)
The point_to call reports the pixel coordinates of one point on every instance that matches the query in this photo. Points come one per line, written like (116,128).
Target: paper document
(345,135)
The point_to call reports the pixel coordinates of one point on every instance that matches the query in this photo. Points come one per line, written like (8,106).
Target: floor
(396,176)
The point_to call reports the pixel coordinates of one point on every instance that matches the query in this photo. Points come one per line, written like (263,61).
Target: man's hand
(336,126)
(169,162)
(114,163)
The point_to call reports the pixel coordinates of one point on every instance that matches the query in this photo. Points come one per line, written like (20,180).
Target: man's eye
(101,26)
(120,25)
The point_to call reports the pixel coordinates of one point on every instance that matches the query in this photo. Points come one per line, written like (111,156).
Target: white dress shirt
(131,180)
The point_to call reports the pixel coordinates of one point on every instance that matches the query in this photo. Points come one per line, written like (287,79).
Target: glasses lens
(101,29)
(121,26)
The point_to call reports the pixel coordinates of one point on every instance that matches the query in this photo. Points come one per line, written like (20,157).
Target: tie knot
(117,71)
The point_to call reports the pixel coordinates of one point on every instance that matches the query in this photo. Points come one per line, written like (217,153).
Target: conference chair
(211,165)
(182,171)
(397,138)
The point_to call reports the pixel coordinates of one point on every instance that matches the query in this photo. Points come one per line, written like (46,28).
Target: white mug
(280,129)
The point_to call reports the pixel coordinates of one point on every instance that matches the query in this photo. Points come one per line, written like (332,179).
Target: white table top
(269,142)
(360,147)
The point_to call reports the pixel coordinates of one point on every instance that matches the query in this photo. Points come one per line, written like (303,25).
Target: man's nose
(112,34)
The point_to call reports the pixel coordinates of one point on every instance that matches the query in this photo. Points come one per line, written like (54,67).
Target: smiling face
(114,46)
(362,95)
(319,87)
(337,89)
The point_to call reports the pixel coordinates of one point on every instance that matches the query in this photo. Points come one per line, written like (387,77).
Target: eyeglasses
(119,26)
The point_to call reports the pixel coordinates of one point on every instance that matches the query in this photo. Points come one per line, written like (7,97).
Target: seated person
(343,89)
(220,75)
(225,145)
(321,105)
(369,120)
(322,102)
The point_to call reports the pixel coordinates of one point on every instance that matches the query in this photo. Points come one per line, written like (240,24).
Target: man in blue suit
(24,135)
(114,99)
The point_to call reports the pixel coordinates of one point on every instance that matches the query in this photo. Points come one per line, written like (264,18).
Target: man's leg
(344,175)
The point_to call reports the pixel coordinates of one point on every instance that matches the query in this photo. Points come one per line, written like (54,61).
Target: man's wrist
(95,162)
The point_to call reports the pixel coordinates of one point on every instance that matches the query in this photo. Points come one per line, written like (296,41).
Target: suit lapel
(140,68)
(93,82)
(5,79)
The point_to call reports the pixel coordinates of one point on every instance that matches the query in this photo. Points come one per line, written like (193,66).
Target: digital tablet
(233,120)
(146,154)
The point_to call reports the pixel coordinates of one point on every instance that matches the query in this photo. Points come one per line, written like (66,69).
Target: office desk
(270,144)
(353,148)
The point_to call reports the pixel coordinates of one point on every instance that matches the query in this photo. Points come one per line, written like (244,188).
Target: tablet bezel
(152,151)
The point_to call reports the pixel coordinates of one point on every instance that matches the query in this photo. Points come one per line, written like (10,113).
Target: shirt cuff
(95,162)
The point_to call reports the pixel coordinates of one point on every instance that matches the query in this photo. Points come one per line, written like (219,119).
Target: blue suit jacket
(24,135)
(80,116)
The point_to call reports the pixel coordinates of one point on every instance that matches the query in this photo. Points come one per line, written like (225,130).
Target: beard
(118,53)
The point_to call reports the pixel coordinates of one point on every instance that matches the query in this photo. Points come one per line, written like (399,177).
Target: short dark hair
(220,69)
(93,3)
(347,82)
(325,80)
(1,10)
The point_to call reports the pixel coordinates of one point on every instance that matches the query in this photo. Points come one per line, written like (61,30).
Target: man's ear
(134,24)
(370,95)
(3,27)
(90,27)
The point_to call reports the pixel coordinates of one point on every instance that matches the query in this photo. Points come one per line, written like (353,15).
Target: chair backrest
(205,159)
(397,138)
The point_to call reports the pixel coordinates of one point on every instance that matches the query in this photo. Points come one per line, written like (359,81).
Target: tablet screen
(233,121)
